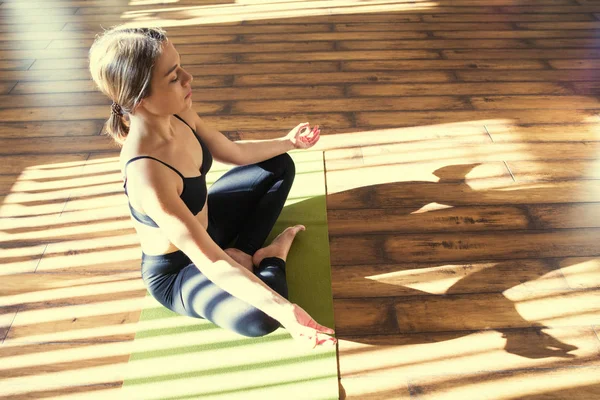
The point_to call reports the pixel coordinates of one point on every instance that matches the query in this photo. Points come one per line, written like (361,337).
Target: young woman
(201,249)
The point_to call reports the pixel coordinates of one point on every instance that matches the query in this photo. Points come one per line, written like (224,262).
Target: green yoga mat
(177,357)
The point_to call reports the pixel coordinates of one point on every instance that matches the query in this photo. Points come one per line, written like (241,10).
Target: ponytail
(117,128)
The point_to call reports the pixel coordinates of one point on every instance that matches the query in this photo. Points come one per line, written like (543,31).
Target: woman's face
(171,89)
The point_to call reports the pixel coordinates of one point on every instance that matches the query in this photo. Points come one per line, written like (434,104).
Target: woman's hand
(303,137)
(304,328)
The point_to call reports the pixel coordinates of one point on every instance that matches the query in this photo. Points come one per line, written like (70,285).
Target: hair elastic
(116,109)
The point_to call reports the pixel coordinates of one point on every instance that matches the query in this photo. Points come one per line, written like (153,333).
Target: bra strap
(152,158)
(182,120)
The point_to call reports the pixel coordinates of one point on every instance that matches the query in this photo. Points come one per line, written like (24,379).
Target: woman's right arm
(157,190)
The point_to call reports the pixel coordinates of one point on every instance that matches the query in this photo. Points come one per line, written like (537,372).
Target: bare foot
(280,245)
(242,258)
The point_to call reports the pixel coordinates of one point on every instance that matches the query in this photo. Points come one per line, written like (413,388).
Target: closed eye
(177,78)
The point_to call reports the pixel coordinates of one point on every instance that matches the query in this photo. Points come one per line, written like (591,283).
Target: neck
(144,124)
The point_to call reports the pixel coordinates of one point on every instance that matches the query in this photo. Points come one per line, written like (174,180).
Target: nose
(190,78)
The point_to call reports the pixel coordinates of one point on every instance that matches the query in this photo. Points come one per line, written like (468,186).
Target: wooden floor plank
(200,71)
(84,112)
(30,45)
(465,218)
(490,54)
(431,44)
(446,18)
(341,77)
(421,26)
(574,64)
(586,215)
(432,152)
(480,117)
(52,99)
(212,29)
(45,75)
(524,34)
(46,129)
(541,75)
(42,27)
(563,26)
(6,87)
(374,388)
(534,102)
(528,171)
(564,43)
(581,272)
(418,194)
(273,92)
(546,132)
(457,89)
(53,88)
(340,55)
(400,220)
(394,65)
(409,279)
(331,17)
(277,121)
(451,246)
(338,36)
(341,105)
(419,314)
(550,384)
(9,65)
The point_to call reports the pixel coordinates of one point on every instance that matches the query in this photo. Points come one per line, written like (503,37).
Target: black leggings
(243,206)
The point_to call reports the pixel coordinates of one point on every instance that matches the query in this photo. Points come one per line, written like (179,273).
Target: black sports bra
(194,188)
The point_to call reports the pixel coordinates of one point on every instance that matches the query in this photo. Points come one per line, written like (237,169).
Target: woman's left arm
(301,137)
(252,151)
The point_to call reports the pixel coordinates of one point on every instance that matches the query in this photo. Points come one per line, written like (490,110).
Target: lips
(189,94)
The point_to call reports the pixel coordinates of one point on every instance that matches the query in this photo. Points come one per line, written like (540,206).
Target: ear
(141,104)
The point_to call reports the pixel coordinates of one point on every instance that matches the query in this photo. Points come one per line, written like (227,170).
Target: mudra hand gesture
(306,330)
(303,137)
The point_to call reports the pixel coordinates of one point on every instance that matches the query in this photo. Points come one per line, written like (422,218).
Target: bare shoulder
(146,173)
(220,146)
(193,119)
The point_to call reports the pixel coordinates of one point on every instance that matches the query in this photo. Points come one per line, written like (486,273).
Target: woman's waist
(154,241)
(169,263)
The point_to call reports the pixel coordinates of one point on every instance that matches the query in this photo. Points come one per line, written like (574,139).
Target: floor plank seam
(465,331)
(505,371)
(11,323)
(468,261)
(509,171)
(499,232)
(596,330)
(418,297)
(12,88)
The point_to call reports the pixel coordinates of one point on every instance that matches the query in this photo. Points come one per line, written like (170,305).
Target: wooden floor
(463,176)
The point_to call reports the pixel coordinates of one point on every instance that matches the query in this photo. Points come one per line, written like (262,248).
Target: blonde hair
(121,62)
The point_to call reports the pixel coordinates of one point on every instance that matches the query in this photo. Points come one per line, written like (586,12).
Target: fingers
(315,336)
(303,125)
(318,327)
(318,339)
(327,341)
(310,138)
